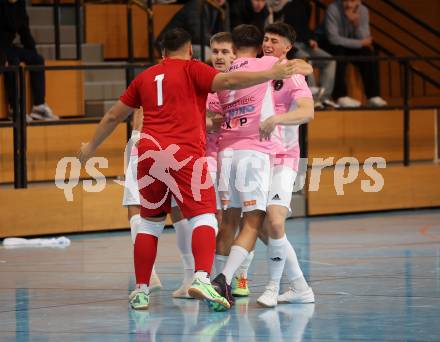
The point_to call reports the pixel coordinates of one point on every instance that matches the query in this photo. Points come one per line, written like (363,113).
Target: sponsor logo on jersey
(249,203)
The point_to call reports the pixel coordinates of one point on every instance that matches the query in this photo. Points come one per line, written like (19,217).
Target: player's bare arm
(302,67)
(138,117)
(304,113)
(118,113)
(242,79)
(213,121)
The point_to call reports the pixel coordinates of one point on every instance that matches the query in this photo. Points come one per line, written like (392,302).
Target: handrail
(415,70)
(412,17)
(19,106)
(403,45)
(372,9)
(322,6)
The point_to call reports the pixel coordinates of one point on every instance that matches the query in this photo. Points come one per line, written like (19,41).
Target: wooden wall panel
(39,210)
(43,209)
(65,90)
(415,186)
(104,209)
(3,101)
(371,133)
(107,24)
(48,144)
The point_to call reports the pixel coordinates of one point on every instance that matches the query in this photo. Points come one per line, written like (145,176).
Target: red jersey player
(173,95)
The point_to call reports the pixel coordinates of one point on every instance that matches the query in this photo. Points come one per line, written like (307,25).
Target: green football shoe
(204,291)
(139,299)
(240,287)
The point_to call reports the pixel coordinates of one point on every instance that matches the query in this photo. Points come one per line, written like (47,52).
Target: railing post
(202,31)
(19,107)
(78,30)
(130,33)
(150,31)
(16,121)
(406,114)
(56,21)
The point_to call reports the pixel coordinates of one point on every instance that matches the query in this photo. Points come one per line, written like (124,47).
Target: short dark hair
(247,36)
(174,39)
(282,29)
(221,37)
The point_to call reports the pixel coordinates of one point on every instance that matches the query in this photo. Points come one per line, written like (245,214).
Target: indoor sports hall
(365,210)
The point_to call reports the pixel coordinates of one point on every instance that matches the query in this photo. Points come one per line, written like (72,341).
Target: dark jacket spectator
(215,19)
(297,13)
(251,12)
(14,20)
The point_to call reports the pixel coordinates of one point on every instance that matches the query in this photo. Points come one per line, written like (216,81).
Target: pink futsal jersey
(212,139)
(244,110)
(286,93)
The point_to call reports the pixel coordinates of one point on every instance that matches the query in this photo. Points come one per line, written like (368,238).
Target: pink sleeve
(213,104)
(300,88)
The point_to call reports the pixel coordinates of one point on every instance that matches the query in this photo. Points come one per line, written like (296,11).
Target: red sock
(203,248)
(145,249)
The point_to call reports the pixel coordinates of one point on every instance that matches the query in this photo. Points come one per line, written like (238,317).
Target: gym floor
(376,277)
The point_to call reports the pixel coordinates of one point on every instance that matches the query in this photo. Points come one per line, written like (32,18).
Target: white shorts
(213,175)
(281,186)
(131,188)
(244,179)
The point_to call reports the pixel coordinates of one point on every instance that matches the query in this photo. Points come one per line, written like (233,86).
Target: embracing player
(173,96)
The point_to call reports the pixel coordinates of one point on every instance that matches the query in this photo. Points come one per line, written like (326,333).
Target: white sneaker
(376,101)
(155,284)
(295,296)
(182,291)
(317,92)
(43,112)
(348,102)
(318,105)
(330,103)
(269,298)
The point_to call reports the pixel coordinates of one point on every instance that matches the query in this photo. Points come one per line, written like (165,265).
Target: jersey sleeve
(202,75)
(131,96)
(300,89)
(213,104)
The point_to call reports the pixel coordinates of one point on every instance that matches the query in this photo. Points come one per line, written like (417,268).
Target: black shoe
(224,290)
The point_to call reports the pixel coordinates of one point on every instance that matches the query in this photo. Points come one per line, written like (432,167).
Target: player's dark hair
(174,39)
(221,37)
(283,30)
(247,36)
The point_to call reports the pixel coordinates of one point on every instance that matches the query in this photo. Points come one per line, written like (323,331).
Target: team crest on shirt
(277,85)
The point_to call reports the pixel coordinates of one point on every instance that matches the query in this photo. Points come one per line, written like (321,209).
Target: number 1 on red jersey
(159,79)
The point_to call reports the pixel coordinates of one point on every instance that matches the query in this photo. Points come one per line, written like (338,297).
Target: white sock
(300,283)
(244,267)
(135,221)
(184,234)
(219,262)
(202,276)
(293,270)
(277,258)
(188,267)
(236,257)
(143,288)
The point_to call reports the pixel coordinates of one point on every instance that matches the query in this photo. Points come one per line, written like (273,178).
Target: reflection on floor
(376,277)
